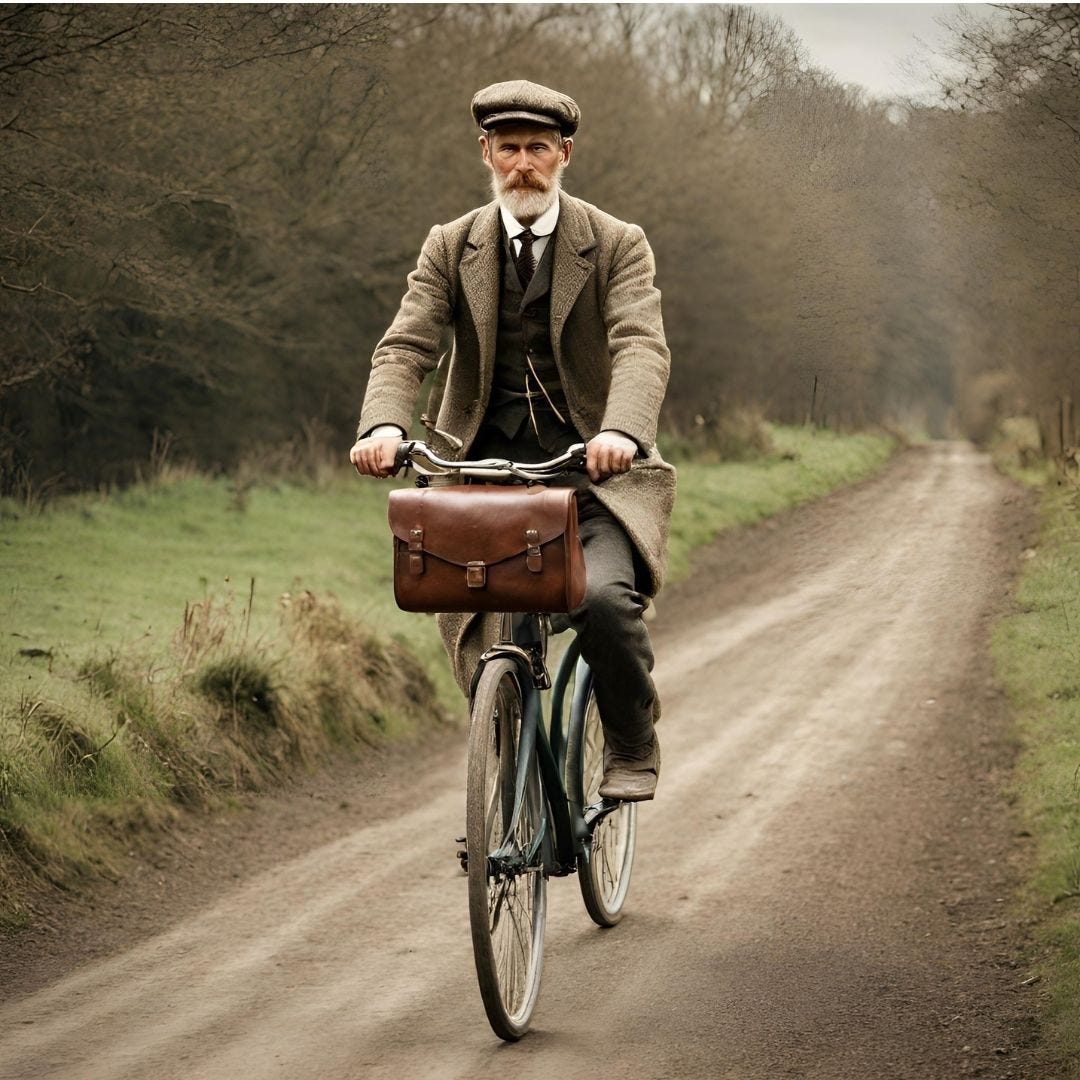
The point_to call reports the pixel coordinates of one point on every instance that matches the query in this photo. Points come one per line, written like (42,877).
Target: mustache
(527,181)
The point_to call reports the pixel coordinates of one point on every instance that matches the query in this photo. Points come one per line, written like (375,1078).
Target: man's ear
(567,149)
(485,150)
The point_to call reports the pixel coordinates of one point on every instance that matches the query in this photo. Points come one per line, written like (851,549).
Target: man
(557,339)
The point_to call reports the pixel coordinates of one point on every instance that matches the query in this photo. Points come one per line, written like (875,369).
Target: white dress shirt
(541,228)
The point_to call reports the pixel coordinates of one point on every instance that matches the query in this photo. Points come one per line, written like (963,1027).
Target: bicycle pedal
(462,854)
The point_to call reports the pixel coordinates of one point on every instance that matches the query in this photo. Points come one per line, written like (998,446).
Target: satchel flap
(476,524)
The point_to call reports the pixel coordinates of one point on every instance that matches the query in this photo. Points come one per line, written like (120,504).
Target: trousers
(614,638)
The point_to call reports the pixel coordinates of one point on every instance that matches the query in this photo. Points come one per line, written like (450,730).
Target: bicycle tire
(605,867)
(506,913)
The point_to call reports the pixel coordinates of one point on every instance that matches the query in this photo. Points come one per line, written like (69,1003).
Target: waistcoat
(524,335)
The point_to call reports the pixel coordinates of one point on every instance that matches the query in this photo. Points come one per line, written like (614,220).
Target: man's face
(526,162)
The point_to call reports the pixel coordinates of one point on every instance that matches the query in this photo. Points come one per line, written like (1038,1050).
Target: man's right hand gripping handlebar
(376,455)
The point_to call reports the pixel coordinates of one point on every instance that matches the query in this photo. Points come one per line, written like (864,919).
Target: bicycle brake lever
(401,457)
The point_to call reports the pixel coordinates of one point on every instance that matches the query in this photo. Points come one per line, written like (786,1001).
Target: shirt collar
(544,225)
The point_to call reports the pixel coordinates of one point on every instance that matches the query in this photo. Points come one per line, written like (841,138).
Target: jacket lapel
(478,273)
(569,271)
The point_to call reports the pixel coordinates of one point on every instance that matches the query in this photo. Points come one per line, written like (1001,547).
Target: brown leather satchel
(487,548)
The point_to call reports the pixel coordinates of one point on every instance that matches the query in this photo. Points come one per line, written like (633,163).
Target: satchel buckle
(533,559)
(416,551)
(476,574)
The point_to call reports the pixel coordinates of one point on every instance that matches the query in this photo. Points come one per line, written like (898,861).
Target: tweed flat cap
(526,102)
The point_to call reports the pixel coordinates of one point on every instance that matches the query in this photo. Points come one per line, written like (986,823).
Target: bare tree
(169,178)
(1012,168)
(718,60)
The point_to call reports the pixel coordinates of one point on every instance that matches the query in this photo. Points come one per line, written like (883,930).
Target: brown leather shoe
(631,777)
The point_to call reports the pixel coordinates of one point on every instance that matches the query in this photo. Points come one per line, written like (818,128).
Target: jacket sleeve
(640,360)
(409,349)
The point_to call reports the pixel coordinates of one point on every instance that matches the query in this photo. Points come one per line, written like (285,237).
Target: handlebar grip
(401,458)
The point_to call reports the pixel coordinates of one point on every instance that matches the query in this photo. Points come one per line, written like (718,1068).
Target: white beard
(525,202)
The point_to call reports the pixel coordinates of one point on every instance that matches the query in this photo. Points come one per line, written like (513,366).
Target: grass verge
(802,464)
(191,637)
(97,754)
(1037,655)
(174,643)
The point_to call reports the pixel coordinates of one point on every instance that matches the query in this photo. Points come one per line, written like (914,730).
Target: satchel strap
(533,559)
(416,551)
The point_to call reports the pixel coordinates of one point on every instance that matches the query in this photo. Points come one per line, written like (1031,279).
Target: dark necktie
(526,264)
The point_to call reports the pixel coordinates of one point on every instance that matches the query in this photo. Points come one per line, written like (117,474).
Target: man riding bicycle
(557,339)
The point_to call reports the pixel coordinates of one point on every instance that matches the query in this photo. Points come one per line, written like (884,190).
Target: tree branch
(31,61)
(39,287)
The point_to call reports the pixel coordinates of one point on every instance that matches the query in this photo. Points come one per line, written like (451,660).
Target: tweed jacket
(607,337)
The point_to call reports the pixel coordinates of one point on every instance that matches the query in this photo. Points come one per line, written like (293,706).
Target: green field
(175,641)
(1037,653)
(116,571)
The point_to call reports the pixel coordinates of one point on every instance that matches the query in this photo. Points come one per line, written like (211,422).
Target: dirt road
(822,887)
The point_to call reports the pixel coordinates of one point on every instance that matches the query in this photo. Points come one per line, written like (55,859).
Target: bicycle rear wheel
(605,867)
(507,894)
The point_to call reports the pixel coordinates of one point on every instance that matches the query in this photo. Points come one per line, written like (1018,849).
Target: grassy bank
(168,645)
(175,642)
(1037,652)
(802,464)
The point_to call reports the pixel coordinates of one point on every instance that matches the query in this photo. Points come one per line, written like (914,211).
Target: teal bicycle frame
(571,821)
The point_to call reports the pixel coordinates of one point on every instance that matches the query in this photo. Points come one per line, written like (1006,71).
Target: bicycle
(532,808)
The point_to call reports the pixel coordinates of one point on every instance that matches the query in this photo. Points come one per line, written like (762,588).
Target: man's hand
(609,453)
(374,456)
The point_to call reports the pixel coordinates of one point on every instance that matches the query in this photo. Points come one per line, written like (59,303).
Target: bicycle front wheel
(605,867)
(507,887)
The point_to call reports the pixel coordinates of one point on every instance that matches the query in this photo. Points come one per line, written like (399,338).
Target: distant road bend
(817,887)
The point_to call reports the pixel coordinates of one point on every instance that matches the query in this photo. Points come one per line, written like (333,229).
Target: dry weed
(312,456)
(161,468)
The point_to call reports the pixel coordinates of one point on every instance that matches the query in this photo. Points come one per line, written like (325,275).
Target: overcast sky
(865,43)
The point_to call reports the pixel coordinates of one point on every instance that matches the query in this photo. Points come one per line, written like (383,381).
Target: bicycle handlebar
(425,461)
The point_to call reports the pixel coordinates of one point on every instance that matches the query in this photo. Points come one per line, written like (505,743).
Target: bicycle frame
(572,822)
